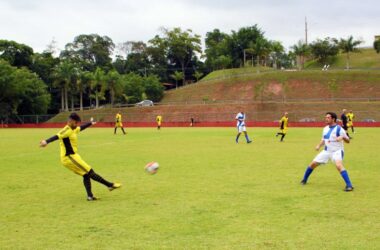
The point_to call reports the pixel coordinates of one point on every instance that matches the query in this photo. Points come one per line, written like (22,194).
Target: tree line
(93,71)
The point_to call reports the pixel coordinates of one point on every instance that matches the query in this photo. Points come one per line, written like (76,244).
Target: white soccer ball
(152,167)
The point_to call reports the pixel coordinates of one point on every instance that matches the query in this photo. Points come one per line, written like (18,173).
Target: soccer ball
(152,167)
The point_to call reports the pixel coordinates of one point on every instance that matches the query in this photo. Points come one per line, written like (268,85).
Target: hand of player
(43,143)
(92,121)
(317,148)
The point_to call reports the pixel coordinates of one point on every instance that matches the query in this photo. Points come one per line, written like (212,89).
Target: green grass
(208,194)
(367,58)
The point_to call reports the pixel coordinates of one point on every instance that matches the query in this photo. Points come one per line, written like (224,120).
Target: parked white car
(145,103)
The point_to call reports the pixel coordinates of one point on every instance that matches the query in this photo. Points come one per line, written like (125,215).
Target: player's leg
(238,134)
(352,129)
(246,136)
(87,185)
(122,129)
(321,158)
(82,168)
(115,130)
(338,158)
(283,134)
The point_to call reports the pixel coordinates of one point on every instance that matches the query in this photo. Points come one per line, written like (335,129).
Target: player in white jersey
(332,139)
(240,125)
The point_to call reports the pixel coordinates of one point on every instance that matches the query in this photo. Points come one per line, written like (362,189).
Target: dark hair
(75,117)
(333,115)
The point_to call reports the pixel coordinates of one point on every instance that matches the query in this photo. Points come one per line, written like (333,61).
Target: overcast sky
(37,22)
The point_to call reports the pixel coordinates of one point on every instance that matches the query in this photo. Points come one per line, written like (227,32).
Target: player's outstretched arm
(88,124)
(44,143)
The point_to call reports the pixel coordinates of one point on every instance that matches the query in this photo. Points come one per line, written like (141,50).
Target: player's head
(286,114)
(344,111)
(74,119)
(330,118)
(350,110)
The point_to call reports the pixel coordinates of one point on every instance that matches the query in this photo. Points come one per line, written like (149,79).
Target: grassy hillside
(367,58)
(280,85)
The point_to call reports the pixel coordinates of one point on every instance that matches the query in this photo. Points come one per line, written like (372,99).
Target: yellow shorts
(284,130)
(76,164)
(118,125)
(350,124)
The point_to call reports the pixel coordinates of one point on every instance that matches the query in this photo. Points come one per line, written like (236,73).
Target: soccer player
(283,126)
(344,120)
(240,118)
(350,123)
(70,157)
(118,123)
(332,138)
(159,120)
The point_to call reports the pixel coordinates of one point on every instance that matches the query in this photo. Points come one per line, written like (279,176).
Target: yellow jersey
(284,122)
(118,118)
(350,117)
(68,140)
(159,119)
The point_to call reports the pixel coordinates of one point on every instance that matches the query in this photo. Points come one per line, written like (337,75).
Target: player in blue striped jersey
(240,118)
(332,139)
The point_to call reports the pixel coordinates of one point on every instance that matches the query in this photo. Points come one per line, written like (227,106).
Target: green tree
(177,76)
(98,85)
(198,75)
(216,47)
(180,46)
(21,92)
(277,52)
(86,79)
(301,50)
(133,87)
(153,89)
(348,46)
(90,51)
(63,74)
(16,54)
(324,50)
(114,85)
(376,45)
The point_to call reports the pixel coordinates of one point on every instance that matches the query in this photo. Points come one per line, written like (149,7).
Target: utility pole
(305,30)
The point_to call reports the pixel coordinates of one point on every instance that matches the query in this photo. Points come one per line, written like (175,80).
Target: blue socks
(237,138)
(308,171)
(345,177)
(246,137)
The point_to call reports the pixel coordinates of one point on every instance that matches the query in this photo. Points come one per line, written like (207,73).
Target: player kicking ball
(72,160)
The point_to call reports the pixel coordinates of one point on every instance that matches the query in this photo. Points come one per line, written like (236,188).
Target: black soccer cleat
(303,182)
(92,198)
(249,141)
(348,189)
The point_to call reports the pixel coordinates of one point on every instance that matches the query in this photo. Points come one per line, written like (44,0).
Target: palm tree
(347,46)
(98,85)
(177,76)
(197,75)
(63,74)
(86,78)
(113,81)
(301,50)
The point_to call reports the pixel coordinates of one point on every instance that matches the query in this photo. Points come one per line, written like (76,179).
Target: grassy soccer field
(209,193)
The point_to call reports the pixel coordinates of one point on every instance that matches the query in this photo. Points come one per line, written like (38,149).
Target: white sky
(37,22)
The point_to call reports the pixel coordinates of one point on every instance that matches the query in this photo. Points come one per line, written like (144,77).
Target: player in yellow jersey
(350,121)
(283,126)
(70,157)
(159,121)
(118,123)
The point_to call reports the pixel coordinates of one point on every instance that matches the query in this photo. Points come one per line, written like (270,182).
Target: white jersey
(330,135)
(240,117)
